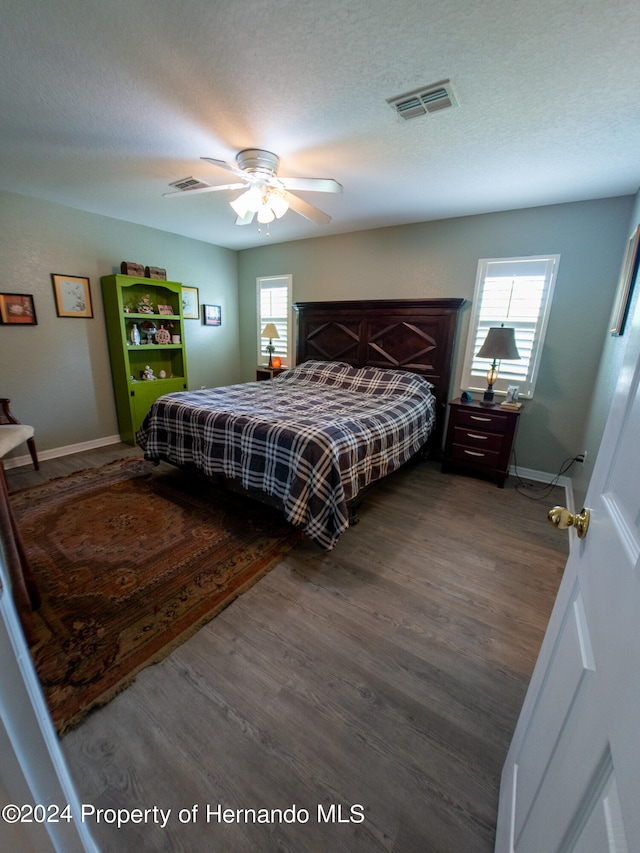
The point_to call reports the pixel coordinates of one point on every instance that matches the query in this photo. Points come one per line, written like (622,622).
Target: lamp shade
(279,204)
(500,344)
(265,214)
(268,203)
(270,331)
(247,201)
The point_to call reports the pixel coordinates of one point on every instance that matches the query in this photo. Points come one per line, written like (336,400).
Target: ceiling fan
(266,196)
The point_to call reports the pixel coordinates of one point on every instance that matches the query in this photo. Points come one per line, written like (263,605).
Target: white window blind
(516,292)
(274,306)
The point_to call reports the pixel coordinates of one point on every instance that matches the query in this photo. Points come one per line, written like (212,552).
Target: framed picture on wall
(73,295)
(212,315)
(17,309)
(628,276)
(190,303)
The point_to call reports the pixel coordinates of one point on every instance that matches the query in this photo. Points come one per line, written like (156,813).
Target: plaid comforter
(311,438)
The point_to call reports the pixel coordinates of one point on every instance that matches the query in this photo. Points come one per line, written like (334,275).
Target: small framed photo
(212,315)
(73,296)
(512,393)
(17,309)
(190,303)
(165,309)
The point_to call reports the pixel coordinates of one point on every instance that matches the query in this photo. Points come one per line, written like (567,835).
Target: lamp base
(270,349)
(488,400)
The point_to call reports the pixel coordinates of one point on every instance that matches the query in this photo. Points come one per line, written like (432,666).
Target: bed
(368,392)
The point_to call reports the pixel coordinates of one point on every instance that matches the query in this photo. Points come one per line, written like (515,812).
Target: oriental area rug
(130,561)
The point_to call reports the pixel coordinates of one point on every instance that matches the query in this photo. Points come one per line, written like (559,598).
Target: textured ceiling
(103,103)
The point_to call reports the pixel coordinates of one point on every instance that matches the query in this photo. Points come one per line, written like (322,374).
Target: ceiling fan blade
(206,190)
(230,167)
(314,185)
(307,210)
(245,220)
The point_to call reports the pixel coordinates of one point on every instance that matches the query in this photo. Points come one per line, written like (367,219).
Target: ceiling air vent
(429,99)
(189,184)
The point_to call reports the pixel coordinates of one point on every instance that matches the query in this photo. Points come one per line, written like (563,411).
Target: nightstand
(480,439)
(263,373)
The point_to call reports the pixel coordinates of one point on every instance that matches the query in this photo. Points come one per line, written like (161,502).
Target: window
(274,306)
(518,293)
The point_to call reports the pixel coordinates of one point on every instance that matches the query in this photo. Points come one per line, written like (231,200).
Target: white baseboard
(544,477)
(563,482)
(17,461)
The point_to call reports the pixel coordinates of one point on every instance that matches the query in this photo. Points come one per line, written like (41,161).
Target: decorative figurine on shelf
(149,328)
(135,336)
(145,305)
(162,374)
(163,336)
(148,373)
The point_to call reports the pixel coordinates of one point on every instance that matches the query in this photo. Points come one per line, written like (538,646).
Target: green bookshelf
(143,303)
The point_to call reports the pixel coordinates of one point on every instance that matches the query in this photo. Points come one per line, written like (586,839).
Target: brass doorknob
(561,518)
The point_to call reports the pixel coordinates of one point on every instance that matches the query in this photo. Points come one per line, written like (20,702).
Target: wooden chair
(13,433)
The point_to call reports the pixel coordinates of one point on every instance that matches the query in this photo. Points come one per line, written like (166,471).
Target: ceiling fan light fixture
(239,205)
(262,191)
(279,204)
(248,201)
(265,214)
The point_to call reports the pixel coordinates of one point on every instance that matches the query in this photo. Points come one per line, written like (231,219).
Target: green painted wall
(57,373)
(439,259)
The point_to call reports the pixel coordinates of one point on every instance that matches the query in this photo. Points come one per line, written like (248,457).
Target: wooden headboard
(405,334)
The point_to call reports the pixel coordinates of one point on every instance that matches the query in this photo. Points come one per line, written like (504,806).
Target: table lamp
(270,332)
(499,345)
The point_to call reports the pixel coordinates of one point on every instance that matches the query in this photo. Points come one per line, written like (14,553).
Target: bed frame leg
(354,518)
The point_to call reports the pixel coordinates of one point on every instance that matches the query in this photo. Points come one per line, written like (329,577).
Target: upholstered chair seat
(13,433)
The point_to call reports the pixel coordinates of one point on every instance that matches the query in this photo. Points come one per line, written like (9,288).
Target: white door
(32,769)
(571,781)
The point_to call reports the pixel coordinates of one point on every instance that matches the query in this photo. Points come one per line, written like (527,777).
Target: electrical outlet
(582,457)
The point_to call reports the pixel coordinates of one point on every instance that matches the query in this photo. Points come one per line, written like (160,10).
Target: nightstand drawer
(472,456)
(477,439)
(481,419)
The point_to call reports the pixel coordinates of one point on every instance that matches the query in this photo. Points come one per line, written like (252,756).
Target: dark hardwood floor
(380,681)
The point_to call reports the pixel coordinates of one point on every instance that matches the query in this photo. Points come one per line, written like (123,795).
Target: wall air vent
(428,99)
(189,184)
